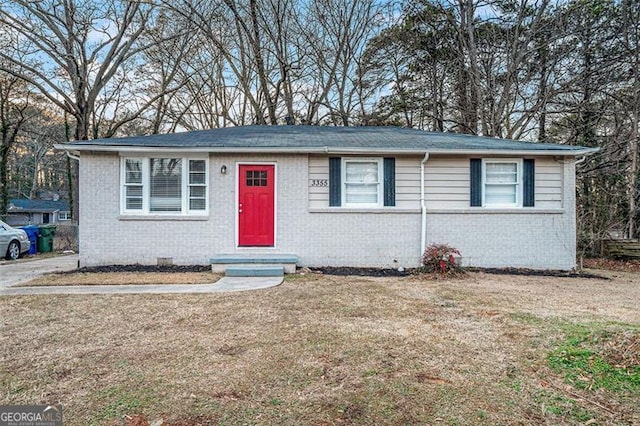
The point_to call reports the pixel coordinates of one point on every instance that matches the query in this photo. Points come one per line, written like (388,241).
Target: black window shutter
(475,167)
(389,181)
(528,183)
(335,185)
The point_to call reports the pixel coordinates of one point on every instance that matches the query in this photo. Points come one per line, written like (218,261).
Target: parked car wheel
(13,251)
(13,242)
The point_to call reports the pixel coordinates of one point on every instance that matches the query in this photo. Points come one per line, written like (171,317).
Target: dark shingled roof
(38,205)
(317,137)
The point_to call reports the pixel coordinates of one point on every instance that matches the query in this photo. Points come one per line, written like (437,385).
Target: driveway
(16,272)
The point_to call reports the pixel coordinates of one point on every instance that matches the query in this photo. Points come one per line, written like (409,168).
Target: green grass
(560,406)
(527,318)
(593,359)
(118,402)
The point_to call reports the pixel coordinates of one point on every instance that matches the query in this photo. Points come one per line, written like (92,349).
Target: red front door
(256,209)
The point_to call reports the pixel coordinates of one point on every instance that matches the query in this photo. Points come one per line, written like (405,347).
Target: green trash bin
(45,238)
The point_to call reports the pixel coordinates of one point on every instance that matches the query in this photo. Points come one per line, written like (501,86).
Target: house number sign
(319,182)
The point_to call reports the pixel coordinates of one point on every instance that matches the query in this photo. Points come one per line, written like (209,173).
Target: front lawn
(329,350)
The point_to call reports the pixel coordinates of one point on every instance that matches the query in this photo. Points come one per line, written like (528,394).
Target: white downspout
(580,160)
(73,157)
(423,206)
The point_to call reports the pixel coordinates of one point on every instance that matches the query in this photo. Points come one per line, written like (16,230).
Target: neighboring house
(23,211)
(356,196)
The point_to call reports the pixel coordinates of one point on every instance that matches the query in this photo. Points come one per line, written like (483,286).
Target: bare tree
(231,43)
(336,32)
(270,61)
(14,105)
(70,52)
(630,38)
(164,65)
(75,49)
(41,166)
(279,20)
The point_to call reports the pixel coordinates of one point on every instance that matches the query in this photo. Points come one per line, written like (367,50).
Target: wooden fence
(622,249)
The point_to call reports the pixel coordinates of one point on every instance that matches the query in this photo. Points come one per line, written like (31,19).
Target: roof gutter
(423,206)
(318,150)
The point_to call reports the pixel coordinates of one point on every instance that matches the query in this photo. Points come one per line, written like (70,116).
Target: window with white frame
(133,188)
(164,185)
(362,182)
(502,183)
(64,215)
(197,185)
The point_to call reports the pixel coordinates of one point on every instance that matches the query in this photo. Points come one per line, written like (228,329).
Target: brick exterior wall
(319,237)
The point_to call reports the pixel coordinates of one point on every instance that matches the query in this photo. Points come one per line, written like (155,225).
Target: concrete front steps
(254,265)
(254,271)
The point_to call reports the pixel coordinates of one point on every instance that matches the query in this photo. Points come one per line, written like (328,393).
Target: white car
(13,242)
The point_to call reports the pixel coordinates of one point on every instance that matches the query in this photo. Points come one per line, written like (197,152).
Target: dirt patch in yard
(320,350)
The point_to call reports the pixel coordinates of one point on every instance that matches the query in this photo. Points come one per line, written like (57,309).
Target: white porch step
(222,262)
(254,271)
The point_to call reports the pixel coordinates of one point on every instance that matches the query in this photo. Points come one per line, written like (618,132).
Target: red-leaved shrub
(441,258)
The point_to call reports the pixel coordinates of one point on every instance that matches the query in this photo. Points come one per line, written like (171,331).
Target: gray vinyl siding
(446,183)
(318,171)
(407,182)
(549,178)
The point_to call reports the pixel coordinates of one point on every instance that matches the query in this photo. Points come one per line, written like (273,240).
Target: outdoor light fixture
(223,169)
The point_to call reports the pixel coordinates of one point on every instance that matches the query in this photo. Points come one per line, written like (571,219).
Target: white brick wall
(320,237)
(501,240)
(106,239)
